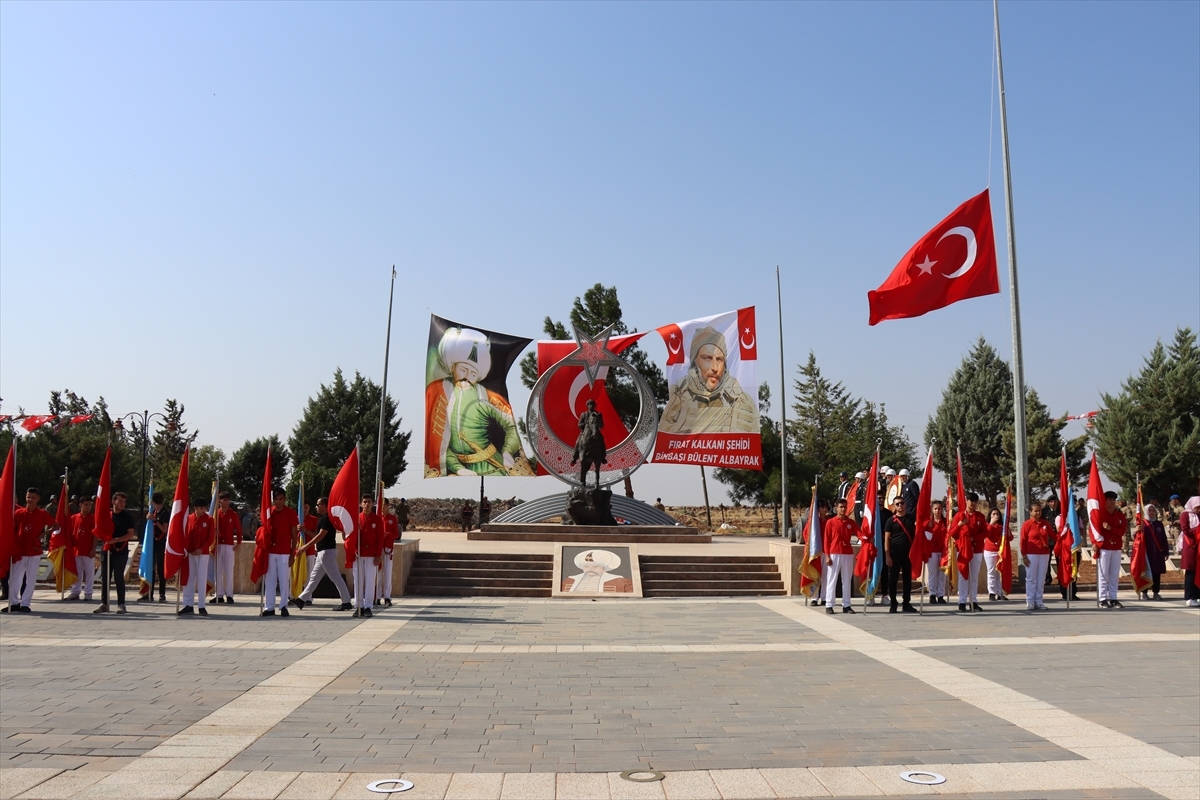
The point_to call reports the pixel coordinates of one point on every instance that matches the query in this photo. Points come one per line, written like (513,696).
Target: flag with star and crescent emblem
(954,261)
(711,417)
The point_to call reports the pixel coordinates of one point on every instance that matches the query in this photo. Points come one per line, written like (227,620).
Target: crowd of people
(283,536)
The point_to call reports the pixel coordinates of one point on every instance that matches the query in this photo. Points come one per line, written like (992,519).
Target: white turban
(606,558)
(466,346)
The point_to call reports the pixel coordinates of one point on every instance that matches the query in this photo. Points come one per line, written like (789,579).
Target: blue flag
(146,564)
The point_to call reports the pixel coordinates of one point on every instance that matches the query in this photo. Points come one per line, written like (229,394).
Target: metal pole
(1018,361)
(787,510)
(387,345)
(707,509)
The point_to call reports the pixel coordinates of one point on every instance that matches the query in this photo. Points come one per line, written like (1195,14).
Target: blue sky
(203,201)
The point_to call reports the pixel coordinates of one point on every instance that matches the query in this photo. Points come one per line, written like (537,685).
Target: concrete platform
(549,532)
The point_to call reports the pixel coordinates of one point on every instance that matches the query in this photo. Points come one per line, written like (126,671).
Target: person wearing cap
(910,491)
(201,533)
(30,522)
(969,530)
(709,399)
(859,498)
(844,486)
(83,523)
(1108,527)
(229,536)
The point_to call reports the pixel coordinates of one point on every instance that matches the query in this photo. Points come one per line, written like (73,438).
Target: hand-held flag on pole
(62,543)
(104,520)
(810,564)
(954,261)
(8,505)
(918,551)
(1139,564)
(258,566)
(966,549)
(175,555)
(1066,545)
(343,504)
(300,562)
(1095,502)
(146,562)
(865,561)
(1004,562)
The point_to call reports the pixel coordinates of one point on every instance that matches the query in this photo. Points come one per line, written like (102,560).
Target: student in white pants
(82,524)
(30,523)
(1037,543)
(369,555)
(384,580)
(936,536)
(364,585)
(197,577)
(970,528)
(23,568)
(1108,527)
(282,527)
(1035,580)
(325,562)
(1109,572)
(224,573)
(229,536)
(201,534)
(839,557)
(968,588)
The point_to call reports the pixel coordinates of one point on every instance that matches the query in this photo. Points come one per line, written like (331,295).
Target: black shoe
(101,609)
(828,609)
(1112,604)
(848,610)
(144,599)
(162,598)
(203,612)
(229,600)
(815,603)
(387,601)
(345,607)
(267,614)
(1074,595)
(893,609)
(908,609)
(962,606)
(976,607)
(283,612)
(216,599)
(6,610)
(297,602)
(357,613)
(368,612)
(991,596)
(1004,598)
(24,609)
(184,611)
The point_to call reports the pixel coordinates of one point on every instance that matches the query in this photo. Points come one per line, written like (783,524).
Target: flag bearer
(367,557)
(839,557)
(281,533)
(1110,525)
(201,532)
(936,538)
(391,532)
(229,536)
(30,522)
(969,531)
(83,523)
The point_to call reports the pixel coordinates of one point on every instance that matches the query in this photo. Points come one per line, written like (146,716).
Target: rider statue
(589,447)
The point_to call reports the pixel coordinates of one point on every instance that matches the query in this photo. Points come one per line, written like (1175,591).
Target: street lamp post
(144,419)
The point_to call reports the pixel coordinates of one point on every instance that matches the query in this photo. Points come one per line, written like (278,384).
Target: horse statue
(589,446)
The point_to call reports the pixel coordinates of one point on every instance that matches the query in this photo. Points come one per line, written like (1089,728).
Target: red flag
(343,503)
(258,566)
(918,551)
(747,334)
(265,501)
(104,521)
(8,504)
(176,551)
(1139,564)
(1064,546)
(1095,502)
(1005,564)
(867,551)
(954,261)
(965,547)
(62,544)
(78,418)
(32,423)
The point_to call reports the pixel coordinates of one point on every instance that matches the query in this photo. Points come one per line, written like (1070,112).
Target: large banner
(469,425)
(711,418)
(566,395)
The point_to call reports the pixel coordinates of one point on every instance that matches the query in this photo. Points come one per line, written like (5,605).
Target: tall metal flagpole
(387,346)
(1015,304)
(787,511)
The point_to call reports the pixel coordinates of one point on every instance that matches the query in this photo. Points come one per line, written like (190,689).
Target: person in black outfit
(897,539)
(162,519)
(116,552)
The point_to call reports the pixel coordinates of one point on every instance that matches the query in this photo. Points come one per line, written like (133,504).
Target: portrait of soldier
(469,429)
(709,399)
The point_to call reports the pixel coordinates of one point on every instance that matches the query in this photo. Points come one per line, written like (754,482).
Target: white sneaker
(1193,603)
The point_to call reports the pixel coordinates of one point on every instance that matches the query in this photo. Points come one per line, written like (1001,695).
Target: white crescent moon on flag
(176,509)
(743,340)
(674,350)
(969,235)
(345,517)
(578,384)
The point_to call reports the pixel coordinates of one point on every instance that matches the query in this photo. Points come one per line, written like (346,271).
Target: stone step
(442,590)
(419,571)
(442,557)
(692,583)
(691,559)
(477,580)
(711,592)
(706,568)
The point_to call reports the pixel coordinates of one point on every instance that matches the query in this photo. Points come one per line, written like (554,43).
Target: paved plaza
(475,698)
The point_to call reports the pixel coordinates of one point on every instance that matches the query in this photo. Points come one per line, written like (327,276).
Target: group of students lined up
(280,540)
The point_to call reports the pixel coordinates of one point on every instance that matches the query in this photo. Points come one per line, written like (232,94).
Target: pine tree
(246,465)
(976,409)
(1152,428)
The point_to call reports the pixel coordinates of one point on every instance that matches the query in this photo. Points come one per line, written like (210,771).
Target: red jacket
(28,527)
(201,532)
(969,523)
(1112,528)
(1037,538)
(992,543)
(391,532)
(85,543)
(837,536)
(937,544)
(370,535)
(279,530)
(229,527)
(310,531)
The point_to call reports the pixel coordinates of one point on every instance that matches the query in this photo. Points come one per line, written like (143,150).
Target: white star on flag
(926,266)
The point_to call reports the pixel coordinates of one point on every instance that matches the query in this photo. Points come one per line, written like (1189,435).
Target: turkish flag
(36,421)
(343,504)
(747,334)
(954,261)
(175,557)
(8,505)
(104,517)
(673,338)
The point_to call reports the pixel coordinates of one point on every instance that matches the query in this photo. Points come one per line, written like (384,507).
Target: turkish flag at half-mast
(954,261)
(8,505)
(175,557)
(104,521)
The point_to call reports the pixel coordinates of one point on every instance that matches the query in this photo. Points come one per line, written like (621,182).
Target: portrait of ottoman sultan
(470,430)
(709,399)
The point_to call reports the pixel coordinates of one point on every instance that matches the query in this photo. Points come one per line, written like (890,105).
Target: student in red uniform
(29,524)
(281,532)
(991,554)
(201,533)
(1038,539)
(229,536)
(935,534)
(1111,525)
(969,530)
(391,532)
(369,553)
(83,523)
(839,557)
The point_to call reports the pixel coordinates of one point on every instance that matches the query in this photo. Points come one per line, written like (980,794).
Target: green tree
(596,310)
(1043,448)
(976,409)
(341,415)
(203,465)
(1152,427)
(43,455)
(247,464)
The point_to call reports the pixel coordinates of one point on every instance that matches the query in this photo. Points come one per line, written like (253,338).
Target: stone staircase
(481,575)
(710,576)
